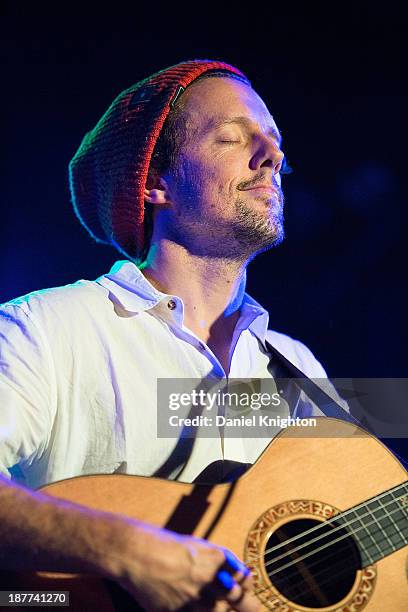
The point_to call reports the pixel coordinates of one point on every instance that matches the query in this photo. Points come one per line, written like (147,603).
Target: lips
(263,189)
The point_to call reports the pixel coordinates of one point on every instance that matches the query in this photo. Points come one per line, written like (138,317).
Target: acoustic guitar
(321,519)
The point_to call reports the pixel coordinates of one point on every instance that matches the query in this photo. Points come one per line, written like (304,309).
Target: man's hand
(167,571)
(161,569)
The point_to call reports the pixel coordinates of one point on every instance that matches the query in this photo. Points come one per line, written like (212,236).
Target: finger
(232,561)
(225,580)
(222,606)
(235,567)
(247,582)
(237,597)
(243,577)
(221,585)
(242,601)
(240,572)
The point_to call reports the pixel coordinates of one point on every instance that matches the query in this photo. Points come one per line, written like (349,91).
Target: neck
(211,289)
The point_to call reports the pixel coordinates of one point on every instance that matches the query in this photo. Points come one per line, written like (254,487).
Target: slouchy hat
(108,173)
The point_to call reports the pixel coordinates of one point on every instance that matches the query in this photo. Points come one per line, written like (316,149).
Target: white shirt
(78,371)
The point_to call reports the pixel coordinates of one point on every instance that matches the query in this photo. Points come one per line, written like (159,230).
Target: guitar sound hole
(314,580)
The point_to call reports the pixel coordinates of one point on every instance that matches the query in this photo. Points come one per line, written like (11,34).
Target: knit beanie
(108,173)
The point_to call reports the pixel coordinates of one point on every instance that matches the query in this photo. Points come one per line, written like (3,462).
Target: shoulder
(298,353)
(55,303)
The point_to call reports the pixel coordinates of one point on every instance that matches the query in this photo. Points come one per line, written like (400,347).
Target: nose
(267,154)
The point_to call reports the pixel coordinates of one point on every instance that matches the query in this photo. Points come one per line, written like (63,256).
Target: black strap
(296,381)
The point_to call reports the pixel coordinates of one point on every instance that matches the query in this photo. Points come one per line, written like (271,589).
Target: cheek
(208,177)
(224,176)
(189,178)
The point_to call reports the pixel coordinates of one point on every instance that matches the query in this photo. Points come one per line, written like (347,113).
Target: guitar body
(297,478)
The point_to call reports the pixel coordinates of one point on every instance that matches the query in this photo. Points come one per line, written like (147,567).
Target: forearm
(42,533)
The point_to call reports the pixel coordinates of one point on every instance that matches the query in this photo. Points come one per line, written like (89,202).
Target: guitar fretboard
(379,525)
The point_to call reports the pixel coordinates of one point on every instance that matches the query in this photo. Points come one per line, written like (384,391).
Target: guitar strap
(292,382)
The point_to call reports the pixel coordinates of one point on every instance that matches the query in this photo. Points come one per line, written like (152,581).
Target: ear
(158,195)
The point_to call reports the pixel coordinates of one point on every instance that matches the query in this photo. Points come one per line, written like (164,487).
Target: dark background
(332,76)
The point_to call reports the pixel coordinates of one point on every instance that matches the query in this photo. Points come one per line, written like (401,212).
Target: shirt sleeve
(26,373)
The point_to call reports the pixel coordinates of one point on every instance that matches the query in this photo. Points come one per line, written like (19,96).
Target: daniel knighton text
(253,420)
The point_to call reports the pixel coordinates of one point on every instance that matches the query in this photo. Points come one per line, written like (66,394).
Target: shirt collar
(254,317)
(135,293)
(128,285)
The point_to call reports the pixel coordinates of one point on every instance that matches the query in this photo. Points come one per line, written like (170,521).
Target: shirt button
(171,304)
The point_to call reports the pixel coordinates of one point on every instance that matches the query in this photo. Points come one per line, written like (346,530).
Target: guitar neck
(379,525)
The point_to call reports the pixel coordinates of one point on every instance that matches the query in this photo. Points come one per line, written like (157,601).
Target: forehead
(212,101)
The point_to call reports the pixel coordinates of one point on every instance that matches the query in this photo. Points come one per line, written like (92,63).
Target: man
(182,175)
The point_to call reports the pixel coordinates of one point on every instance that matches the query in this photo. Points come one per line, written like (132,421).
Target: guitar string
(316,550)
(325,570)
(328,571)
(333,519)
(338,516)
(330,533)
(259,591)
(292,563)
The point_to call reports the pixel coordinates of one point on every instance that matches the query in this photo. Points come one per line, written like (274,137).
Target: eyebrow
(247,123)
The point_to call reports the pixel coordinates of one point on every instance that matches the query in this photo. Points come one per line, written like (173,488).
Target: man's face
(225,191)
